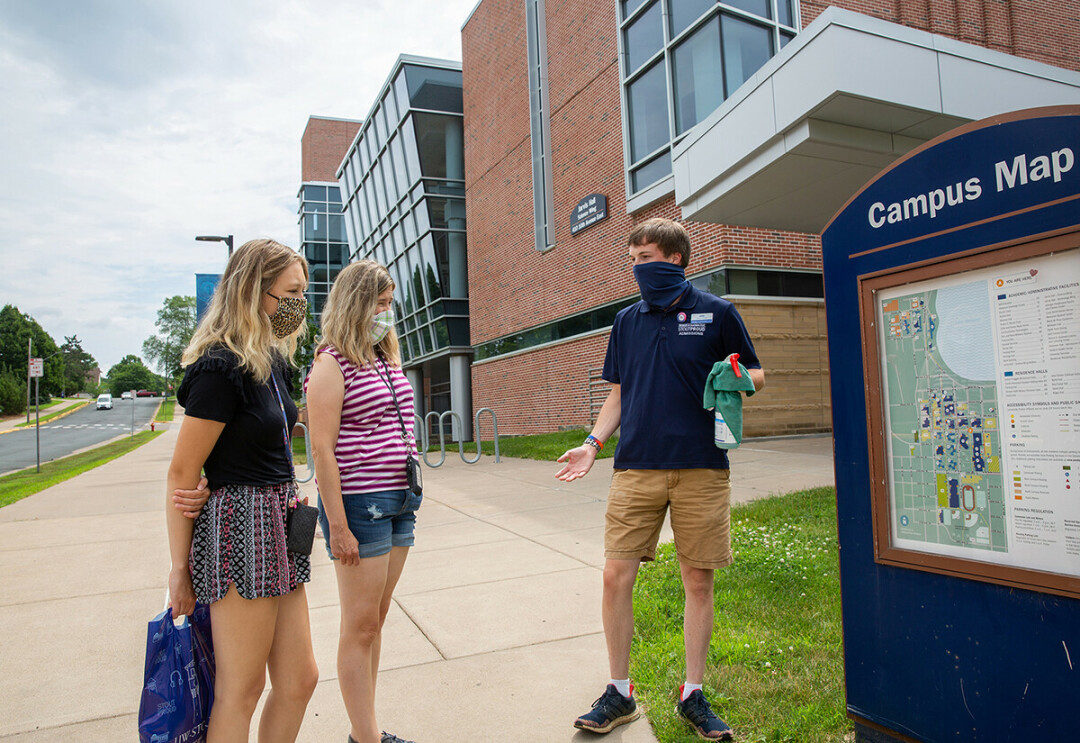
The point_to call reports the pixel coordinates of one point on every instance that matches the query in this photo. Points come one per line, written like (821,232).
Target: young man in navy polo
(659,355)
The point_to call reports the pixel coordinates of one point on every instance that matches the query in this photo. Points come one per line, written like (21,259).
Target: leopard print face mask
(290,312)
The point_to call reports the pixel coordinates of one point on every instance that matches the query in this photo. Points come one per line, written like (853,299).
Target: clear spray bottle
(722,435)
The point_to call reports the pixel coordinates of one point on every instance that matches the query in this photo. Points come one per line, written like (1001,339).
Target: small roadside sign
(37,367)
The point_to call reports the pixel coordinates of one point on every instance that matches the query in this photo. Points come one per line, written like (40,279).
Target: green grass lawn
(18,485)
(775,667)
(299,452)
(544,446)
(70,407)
(165,410)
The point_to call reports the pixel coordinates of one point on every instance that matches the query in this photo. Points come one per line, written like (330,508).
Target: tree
(176,324)
(130,373)
(15,329)
(12,393)
(77,362)
(305,355)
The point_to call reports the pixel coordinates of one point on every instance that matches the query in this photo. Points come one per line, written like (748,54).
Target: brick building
(751,121)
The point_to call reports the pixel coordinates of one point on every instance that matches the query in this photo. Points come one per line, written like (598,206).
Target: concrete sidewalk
(495,632)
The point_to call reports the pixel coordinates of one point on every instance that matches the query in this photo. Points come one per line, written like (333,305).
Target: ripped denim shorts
(379,520)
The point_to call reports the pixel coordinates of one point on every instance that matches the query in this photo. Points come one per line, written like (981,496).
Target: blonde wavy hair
(349,310)
(234,318)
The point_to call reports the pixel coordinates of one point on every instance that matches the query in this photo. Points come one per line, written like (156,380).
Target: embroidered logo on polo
(681,317)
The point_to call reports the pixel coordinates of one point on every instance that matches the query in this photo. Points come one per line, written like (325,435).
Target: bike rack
(425,439)
(426,443)
(307,452)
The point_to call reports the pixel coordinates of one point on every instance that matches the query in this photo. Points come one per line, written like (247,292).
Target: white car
(104,402)
(126,395)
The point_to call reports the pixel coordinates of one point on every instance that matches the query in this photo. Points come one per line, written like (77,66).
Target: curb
(63,414)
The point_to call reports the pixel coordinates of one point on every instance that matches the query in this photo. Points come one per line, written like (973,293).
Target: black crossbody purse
(413,476)
(300,519)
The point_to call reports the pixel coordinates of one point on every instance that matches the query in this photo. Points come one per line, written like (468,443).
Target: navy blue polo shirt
(661,360)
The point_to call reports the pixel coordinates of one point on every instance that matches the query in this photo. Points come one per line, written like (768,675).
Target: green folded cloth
(722,390)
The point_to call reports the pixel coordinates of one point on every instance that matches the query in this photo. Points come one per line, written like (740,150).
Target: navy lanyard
(284,426)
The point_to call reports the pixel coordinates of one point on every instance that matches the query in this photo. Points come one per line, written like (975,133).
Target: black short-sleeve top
(251,449)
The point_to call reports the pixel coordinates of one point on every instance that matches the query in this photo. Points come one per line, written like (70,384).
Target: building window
(540,125)
(323,241)
(680,60)
(744,282)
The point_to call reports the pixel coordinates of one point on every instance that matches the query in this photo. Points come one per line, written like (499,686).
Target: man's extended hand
(578,463)
(190,502)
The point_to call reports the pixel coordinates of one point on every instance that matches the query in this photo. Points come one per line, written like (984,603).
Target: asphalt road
(79,430)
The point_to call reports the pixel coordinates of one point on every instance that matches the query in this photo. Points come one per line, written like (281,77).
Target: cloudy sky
(127,127)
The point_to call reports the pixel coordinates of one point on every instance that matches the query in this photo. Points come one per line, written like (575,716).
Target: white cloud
(129,128)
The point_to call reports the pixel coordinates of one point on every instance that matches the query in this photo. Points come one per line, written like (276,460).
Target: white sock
(689,689)
(623,685)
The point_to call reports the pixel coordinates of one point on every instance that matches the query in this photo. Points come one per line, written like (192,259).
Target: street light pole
(227,239)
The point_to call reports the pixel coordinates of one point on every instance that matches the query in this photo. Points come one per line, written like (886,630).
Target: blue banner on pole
(205,284)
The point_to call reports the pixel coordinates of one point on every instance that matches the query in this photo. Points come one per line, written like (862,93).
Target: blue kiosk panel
(956,442)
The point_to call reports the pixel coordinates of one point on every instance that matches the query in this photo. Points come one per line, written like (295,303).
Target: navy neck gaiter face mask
(661,283)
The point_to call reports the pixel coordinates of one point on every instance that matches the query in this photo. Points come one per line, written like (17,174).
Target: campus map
(980,384)
(943,420)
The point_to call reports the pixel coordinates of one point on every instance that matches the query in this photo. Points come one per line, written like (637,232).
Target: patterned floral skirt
(240,539)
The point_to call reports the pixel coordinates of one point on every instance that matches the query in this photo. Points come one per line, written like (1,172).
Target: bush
(12,394)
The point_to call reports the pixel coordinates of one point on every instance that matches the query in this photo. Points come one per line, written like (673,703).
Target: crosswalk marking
(104,426)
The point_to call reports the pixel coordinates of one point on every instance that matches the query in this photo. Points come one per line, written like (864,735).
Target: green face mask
(381,325)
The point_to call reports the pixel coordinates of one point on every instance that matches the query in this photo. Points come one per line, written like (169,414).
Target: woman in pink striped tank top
(360,411)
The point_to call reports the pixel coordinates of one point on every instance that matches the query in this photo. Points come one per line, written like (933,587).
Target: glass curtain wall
(404,181)
(680,59)
(322,240)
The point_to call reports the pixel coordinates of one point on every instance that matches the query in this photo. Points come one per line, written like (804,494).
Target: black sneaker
(609,711)
(391,738)
(699,714)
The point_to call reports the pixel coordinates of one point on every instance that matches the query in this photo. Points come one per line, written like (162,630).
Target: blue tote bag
(178,684)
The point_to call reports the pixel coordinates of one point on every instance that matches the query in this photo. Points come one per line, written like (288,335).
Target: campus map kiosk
(952,290)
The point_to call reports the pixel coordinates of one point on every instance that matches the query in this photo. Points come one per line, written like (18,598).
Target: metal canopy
(846,98)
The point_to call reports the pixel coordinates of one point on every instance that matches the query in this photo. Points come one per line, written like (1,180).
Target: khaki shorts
(700,502)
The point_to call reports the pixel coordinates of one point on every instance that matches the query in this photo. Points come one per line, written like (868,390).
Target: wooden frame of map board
(886,552)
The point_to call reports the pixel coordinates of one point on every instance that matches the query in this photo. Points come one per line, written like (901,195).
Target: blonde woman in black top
(238,415)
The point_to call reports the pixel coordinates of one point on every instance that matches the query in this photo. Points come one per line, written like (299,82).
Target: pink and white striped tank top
(370,452)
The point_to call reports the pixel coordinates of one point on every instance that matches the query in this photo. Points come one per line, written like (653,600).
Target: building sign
(589,211)
(987,175)
(981,393)
(37,368)
(205,283)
